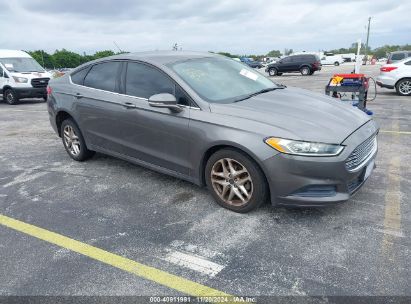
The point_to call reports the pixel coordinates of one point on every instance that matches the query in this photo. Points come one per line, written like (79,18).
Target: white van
(21,77)
(330,58)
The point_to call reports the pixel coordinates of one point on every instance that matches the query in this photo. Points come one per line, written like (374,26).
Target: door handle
(129,105)
(78,96)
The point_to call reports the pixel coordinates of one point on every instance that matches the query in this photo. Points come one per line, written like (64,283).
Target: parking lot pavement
(361,247)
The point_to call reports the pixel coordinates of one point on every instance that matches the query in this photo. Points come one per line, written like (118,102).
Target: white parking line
(195,263)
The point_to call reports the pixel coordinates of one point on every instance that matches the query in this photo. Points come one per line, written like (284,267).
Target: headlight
(304,148)
(20,79)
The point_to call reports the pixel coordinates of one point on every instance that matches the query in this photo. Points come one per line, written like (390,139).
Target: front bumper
(319,181)
(30,92)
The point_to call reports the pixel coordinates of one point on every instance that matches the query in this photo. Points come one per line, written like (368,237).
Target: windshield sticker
(249,74)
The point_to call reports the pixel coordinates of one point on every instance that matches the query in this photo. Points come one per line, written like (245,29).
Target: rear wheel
(10,97)
(235,181)
(73,141)
(403,87)
(272,72)
(305,71)
(336,63)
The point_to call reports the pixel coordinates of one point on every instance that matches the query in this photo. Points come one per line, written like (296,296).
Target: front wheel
(73,141)
(235,181)
(403,87)
(10,97)
(336,63)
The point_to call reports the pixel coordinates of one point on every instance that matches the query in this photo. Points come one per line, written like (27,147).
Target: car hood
(297,114)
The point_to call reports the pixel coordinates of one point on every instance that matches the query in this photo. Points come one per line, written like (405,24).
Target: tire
(305,71)
(336,63)
(403,87)
(279,74)
(73,141)
(45,98)
(272,72)
(226,188)
(312,73)
(10,97)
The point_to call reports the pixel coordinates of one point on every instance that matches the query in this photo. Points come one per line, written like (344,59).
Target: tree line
(68,59)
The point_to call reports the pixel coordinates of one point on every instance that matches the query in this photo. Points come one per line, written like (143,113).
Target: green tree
(66,59)
(102,54)
(43,58)
(274,53)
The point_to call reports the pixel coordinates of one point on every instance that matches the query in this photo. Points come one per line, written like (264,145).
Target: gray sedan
(213,121)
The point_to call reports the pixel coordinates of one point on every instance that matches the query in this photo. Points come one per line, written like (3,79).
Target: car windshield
(22,64)
(220,80)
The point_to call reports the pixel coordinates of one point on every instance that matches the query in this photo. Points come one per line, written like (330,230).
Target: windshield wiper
(260,92)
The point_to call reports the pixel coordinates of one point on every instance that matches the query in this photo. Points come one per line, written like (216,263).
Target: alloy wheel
(71,140)
(405,87)
(232,182)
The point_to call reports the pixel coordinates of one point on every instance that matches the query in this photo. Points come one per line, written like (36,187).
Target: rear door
(99,111)
(157,136)
(286,64)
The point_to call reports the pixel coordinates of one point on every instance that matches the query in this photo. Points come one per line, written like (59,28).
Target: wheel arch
(402,78)
(61,116)
(219,146)
(6,87)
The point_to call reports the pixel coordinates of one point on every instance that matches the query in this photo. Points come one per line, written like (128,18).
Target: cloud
(238,26)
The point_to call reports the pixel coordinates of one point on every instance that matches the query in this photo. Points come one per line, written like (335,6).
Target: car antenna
(117,47)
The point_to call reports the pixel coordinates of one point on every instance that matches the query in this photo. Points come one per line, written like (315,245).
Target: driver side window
(144,81)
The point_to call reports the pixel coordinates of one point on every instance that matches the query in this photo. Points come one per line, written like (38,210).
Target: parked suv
(396,76)
(398,56)
(305,64)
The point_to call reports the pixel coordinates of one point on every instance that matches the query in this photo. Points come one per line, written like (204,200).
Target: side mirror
(164,100)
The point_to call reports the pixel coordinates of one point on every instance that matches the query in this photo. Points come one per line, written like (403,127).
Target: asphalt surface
(361,247)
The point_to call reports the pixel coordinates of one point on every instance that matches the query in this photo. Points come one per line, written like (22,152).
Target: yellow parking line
(138,269)
(396,132)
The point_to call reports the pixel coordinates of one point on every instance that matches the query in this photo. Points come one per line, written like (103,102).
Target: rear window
(78,77)
(103,76)
(397,56)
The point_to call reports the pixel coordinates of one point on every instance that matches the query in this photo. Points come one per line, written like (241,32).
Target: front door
(157,136)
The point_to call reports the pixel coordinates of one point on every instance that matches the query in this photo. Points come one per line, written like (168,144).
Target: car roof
(13,54)
(156,57)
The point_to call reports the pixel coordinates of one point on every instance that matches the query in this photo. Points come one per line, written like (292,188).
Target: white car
(396,76)
(21,76)
(330,58)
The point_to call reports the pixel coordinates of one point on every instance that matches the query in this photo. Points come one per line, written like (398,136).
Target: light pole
(366,43)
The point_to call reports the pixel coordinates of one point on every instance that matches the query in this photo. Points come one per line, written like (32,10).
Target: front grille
(40,82)
(361,153)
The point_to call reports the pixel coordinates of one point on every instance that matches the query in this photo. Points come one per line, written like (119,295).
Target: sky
(236,26)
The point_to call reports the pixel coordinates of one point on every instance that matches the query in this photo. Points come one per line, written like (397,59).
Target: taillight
(49,90)
(387,69)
